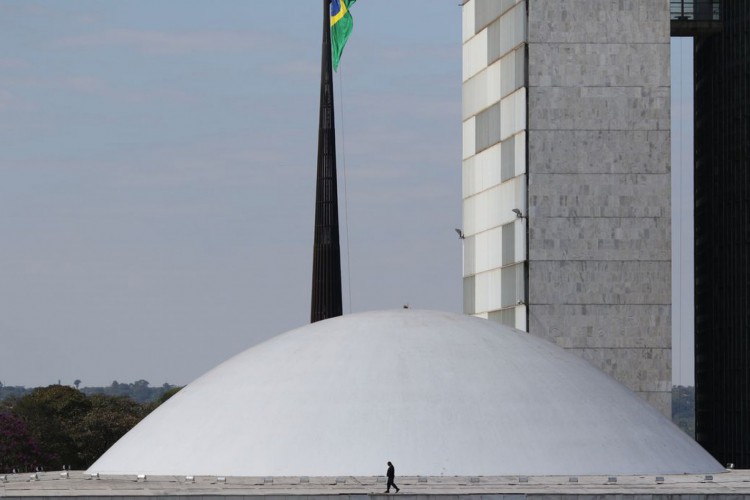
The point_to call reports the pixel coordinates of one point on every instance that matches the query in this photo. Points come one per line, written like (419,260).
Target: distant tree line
(139,390)
(683,408)
(50,428)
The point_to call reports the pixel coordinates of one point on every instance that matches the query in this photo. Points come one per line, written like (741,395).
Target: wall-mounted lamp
(518,213)
(460,234)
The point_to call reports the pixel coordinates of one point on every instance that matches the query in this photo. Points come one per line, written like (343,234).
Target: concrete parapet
(733,485)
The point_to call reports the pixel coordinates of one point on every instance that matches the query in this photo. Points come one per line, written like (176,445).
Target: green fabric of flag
(341,28)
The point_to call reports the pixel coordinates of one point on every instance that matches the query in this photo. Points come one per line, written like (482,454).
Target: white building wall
(566,118)
(494,159)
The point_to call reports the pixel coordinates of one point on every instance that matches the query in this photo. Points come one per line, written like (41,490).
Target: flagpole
(326,280)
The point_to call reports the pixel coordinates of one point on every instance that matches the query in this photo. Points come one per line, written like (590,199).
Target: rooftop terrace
(81,485)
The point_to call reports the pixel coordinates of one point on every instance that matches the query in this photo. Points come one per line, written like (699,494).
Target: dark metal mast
(326,281)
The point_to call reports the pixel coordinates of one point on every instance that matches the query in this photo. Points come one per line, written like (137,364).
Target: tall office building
(566,178)
(722,236)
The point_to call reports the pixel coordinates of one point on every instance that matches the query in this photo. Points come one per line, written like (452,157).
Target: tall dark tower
(326,281)
(722,237)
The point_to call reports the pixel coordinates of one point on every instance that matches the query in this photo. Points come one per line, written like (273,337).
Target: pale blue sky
(683,363)
(157,171)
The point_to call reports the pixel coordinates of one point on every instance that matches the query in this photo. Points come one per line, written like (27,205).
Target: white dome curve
(435,393)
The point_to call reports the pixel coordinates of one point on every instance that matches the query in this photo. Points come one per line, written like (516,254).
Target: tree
(76,383)
(108,419)
(18,450)
(52,414)
(683,408)
(140,391)
(163,398)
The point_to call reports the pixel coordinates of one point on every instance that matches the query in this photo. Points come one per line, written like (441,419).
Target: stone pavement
(732,485)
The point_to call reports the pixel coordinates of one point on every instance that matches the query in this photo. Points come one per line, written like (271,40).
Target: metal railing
(695,10)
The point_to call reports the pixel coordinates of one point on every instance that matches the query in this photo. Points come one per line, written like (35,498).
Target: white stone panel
(494,83)
(474,95)
(513,114)
(469,176)
(488,290)
(521,315)
(468,20)
(483,251)
(520,153)
(507,33)
(494,207)
(475,55)
(487,11)
(512,67)
(520,239)
(482,171)
(470,137)
(485,89)
(512,285)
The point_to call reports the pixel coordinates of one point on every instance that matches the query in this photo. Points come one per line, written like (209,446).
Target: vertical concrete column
(599,185)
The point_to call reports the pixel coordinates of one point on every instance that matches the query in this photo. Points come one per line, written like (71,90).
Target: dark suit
(391,474)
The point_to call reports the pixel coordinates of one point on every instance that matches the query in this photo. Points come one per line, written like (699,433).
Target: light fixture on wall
(518,213)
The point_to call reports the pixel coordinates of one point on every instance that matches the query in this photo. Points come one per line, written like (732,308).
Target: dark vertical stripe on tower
(722,237)
(326,281)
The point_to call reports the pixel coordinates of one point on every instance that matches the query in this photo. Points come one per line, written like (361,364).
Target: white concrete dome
(435,393)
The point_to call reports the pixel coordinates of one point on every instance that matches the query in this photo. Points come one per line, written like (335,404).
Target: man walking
(391,473)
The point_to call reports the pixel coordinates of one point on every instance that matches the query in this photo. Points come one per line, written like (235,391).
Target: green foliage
(683,408)
(108,419)
(9,391)
(60,425)
(52,415)
(139,390)
(163,398)
(18,450)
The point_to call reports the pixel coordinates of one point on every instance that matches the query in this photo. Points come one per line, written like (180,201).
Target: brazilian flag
(341,28)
